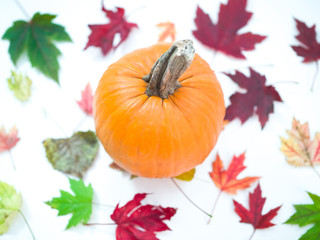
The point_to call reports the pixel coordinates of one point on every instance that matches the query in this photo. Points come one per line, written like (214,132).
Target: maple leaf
(223,36)
(135,221)
(102,35)
(86,100)
(169,31)
(36,37)
(258,98)
(20,85)
(310,48)
(8,140)
(226,180)
(72,155)
(299,149)
(10,204)
(307,214)
(254,215)
(79,204)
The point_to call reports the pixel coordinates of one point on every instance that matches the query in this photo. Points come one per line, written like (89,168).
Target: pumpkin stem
(164,75)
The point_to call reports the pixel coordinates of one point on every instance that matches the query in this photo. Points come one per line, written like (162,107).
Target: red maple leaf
(258,98)
(226,180)
(102,35)
(86,100)
(310,48)
(140,222)
(8,140)
(254,215)
(224,36)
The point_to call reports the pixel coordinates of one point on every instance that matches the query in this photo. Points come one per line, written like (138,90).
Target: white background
(51,106)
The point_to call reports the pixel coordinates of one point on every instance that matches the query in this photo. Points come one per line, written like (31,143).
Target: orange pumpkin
(152,135)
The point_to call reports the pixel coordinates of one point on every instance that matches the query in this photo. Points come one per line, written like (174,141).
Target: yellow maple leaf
(299,149)
(169,30)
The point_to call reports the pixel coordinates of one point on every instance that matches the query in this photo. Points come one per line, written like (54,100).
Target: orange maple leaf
(8,140)
(169,30)
(299,149)
(226,180)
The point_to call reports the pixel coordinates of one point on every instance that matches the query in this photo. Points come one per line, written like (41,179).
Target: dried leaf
(169,31)
(8,140)
(223,36)
(20,85)
(72,155)
(36,38)
(254,215)
(136,221)
(86,100)
(258,98)
(299,149)
(10,204)
(226,180)
(79,204)
(187,176)
(103,35)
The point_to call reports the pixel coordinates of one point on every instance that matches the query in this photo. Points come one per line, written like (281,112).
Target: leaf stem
(12,161)
(215,205)
(80,123)
(294,82)
(22,9)
(103,205)
(215,52)
(99,224)
(315,170)
(25,220)
(55,122)
(176,184)
(315,75)
(254,231)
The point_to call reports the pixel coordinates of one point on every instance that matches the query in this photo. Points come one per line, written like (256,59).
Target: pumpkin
(159,110)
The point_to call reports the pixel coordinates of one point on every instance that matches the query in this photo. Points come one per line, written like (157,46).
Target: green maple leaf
(10,203)
(308,214)
(36,37)
(72,155)
(20,85)
(79,204)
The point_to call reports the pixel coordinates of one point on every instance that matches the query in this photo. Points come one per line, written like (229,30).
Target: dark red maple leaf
(102,35)
(140,222)
(310,48)
(258,98)
(224,36)
(86,100)
(254,215)
(8,140)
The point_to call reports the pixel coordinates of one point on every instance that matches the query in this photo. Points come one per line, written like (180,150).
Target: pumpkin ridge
(206,116)
(116,112)
(186,119)
(203,75)
(117,92)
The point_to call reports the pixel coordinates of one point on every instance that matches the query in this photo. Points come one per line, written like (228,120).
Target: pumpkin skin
(154,137)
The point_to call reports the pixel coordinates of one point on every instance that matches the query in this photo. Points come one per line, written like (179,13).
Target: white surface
(281,183)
